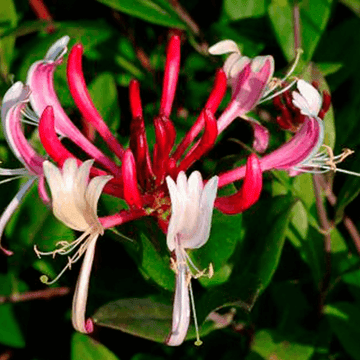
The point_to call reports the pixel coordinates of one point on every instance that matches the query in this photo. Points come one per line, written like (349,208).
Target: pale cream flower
(74,202)
(192,205)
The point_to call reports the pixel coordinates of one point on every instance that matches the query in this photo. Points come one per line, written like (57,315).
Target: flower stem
(35,295)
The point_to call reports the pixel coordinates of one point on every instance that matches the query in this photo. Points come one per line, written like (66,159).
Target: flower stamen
(198,342)
(65,249)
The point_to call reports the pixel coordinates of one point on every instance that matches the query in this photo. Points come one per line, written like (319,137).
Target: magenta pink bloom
(302,152)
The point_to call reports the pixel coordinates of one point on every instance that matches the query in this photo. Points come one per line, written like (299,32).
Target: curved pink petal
(261,136)
(131,191)
(135,99)
(248,89)
(171,75)
(44,196)
(13,131)
(83,100)
(302,146)
(140,149)
(121,217)
(248,194)
(40,79)
(298,150)
(205,144)
(212,104)
(58,152)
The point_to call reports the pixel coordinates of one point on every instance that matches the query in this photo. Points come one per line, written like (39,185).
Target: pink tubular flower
(14,104)
(145,177)
(249,80)
(302,152)
(40,79)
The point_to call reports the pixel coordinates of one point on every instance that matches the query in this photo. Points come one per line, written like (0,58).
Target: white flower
(74,198)
(235,62)
(74,202)
(308,99)
(192,205)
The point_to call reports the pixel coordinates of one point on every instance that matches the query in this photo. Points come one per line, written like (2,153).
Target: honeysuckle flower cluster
(145,178)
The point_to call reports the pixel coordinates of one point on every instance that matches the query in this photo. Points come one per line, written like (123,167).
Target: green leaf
(280,13)
(156,266)
(329,68)
(10,332)
(106,105)
(348,193)
(146,318)
(271,345)
(226,232)
(246,44)
(7,16)
(34,224)
(129,66)
(240,9)
(140,317)
(258,258)
(291,303)
(264,241)
(353,5)
(344,320)
(89,33)
(84,347)
(314,16)
(157,12)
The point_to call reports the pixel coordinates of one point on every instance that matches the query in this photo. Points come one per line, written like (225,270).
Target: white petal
(81,183)
(239,66)
(209,194)
(69,172)
(259,62)
(311,95)
(230,62)
(18,92)
(181,308)
(192,207)
(53,177)
(195,186)
(95,189)
(82,287)
(224,47)
(182,199)
(62,193)
(175,209)
(201,236)
(58,49)
(93,193)
(82,178)
(181,183)
(300,102)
